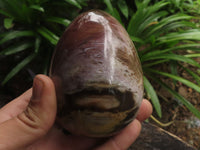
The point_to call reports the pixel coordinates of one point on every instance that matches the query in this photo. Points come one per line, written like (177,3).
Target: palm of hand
(54,139)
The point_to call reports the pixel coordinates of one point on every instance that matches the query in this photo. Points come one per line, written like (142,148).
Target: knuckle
(30,119)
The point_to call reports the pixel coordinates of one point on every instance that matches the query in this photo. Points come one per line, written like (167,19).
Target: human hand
(27,123)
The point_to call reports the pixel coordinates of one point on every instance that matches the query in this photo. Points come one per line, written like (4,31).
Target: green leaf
(50,36)
(5,13)
(136,39)
(16,9)
(179,97)
(177,78)
(116,14)
(37,7)
(143,12)
(123,7)
(8,23)
(172,57)
(184,46)
(154,98)
(59,20)
(194,75)
(153,63)
(192,55)
(17,68)
(168,23)
(192,34)
(148,22)
(73,2)
(109,5)
(173,67)
(37,44)
(16,48)
(15,34)
(113,11)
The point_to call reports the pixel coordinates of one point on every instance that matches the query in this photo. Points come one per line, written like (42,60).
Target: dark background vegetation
(165,32)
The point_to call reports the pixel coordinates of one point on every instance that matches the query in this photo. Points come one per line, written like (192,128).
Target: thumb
(32,124)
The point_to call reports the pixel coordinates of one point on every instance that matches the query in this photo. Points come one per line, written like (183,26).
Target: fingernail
(37,89)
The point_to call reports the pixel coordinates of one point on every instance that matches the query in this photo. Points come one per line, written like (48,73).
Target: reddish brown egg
(98,76)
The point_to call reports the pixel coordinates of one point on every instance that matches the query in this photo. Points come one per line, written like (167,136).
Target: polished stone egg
(97,75)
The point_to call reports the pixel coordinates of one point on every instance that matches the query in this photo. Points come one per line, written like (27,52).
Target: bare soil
(185,125)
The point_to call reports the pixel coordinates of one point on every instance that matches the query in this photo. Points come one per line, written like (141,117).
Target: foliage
(159,29)
(158,32)
(34,26)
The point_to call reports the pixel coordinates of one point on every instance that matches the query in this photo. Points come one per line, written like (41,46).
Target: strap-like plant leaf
(179,97)
(142,14)
(59,20)
(136,39)
(50,36)
(17,68)
(193,74)
(150,21)
(194,47)
(74,2)
(37,44)
(173,57)
(8,23)
(147,65)
(16,9)
(37,7)
(16,48)
(192,55)
(177,78)
(169,23)
(109,5)
(154,98)
(123,7)
(173,67)
(15,34)
(116,14)
(192,34)
(5,13)
(113,11)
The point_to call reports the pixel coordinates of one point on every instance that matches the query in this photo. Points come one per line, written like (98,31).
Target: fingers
(124,139)
(15,107)
(35,121)
(56,140)
(128,135)
(145,110)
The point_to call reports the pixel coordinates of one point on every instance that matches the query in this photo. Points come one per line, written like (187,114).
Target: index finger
(124,139)
(145,110)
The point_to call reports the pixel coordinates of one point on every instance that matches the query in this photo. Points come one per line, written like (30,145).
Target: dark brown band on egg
(125,99)
(127,120)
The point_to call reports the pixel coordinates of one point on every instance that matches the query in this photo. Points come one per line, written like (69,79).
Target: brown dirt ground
(185,125)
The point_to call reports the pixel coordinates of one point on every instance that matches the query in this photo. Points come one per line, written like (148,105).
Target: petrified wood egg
(98,76)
